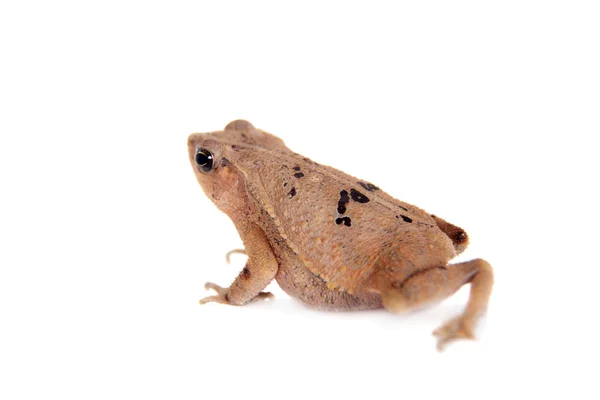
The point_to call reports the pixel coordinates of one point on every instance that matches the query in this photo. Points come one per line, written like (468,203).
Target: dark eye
(204,159)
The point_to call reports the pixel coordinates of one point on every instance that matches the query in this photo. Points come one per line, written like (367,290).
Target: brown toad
(331,240)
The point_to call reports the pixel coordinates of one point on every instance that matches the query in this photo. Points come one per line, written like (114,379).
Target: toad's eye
(204,159)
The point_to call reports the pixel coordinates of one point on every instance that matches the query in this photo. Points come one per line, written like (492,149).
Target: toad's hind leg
(434,284)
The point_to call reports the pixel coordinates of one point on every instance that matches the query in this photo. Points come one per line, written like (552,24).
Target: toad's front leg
(259,271)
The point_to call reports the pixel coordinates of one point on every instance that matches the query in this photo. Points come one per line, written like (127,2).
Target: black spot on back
(296,168)
(292,193)
(358,196)
(345,220)
(368,186)
(298,174)
(460,237)
(404,208)
(406,219)
(344,199)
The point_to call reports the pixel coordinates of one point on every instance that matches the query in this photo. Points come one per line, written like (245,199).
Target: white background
(481,113)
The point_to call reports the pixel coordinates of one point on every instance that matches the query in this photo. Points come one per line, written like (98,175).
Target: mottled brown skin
(331,240)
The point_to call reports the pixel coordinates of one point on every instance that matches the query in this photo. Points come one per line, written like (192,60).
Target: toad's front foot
(221,296)
(457,328)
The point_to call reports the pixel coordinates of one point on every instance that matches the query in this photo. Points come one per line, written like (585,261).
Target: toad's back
(337,225)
